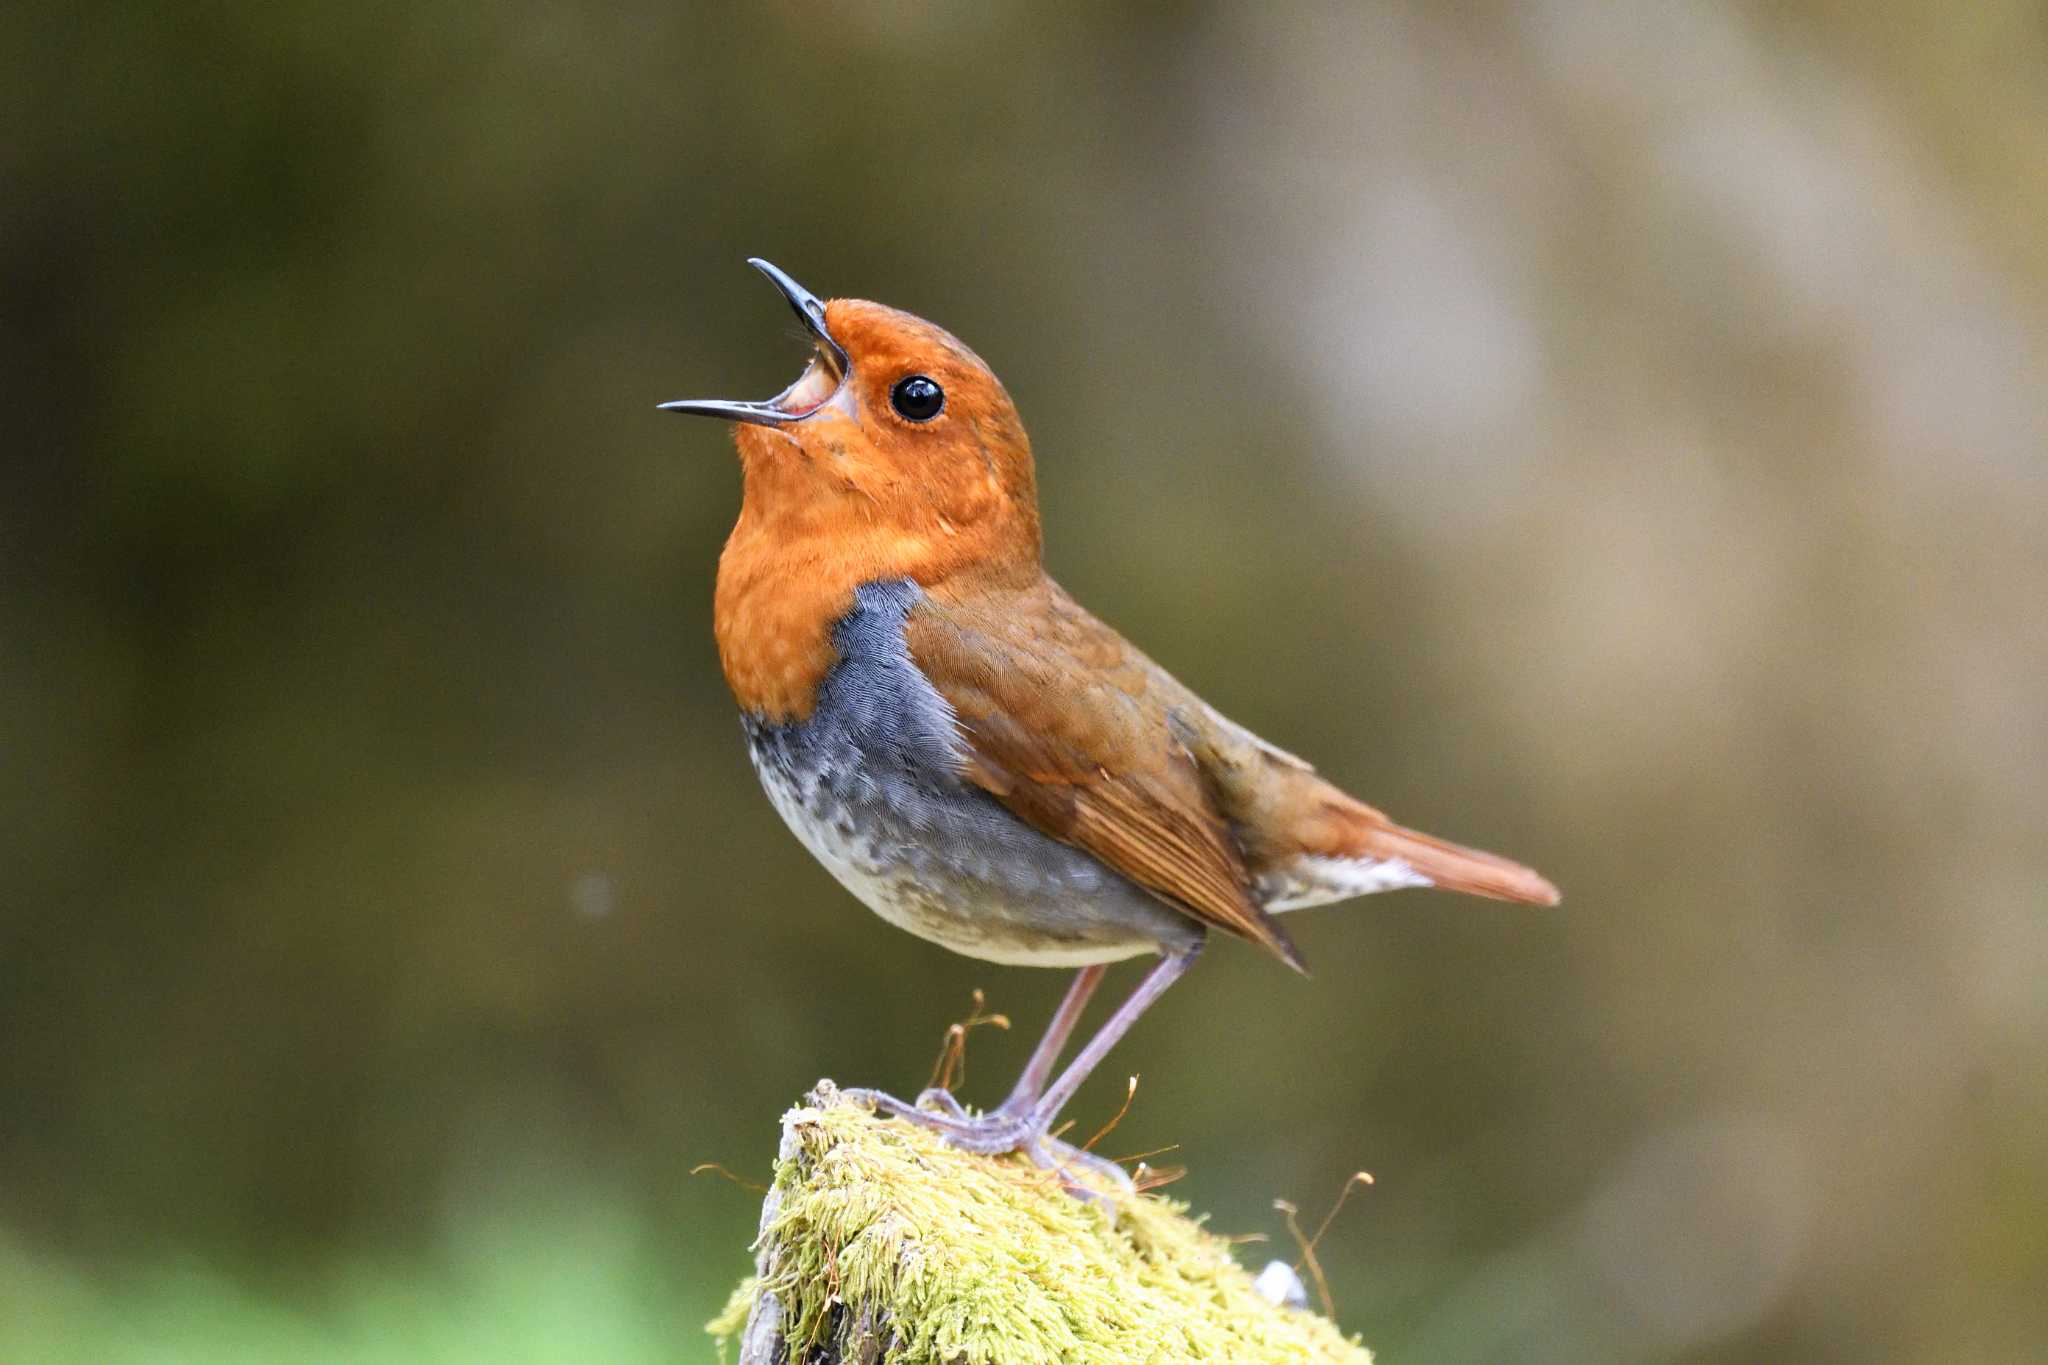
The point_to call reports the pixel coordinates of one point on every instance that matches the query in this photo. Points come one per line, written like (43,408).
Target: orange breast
(783,585)
(814,526)
(773,615)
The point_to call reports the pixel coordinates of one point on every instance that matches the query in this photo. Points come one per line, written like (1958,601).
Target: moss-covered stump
(883,1246)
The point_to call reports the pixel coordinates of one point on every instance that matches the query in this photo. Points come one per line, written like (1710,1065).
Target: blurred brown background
(1617,435)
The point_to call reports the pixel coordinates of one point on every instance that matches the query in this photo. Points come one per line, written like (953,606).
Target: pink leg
(1025,1127)
(1038,1070)
(1169,970)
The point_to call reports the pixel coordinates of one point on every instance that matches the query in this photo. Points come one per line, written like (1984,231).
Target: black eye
(917,398)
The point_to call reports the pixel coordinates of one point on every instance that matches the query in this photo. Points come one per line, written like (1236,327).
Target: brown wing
(1078,735)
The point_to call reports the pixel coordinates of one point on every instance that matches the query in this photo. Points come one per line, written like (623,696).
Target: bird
(966,748)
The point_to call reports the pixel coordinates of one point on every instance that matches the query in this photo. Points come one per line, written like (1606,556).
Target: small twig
(952,1055)
(1147,1178)
(1307,1245)
(951,1067)
(1130,1093)
(719,1169)
(1140,1156)
(1288,1211)
(1357,1178)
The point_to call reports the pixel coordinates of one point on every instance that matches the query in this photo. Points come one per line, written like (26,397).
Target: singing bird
(964,747)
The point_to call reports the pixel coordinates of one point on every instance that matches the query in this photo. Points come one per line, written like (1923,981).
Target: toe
(1065,1158)
(943,1101)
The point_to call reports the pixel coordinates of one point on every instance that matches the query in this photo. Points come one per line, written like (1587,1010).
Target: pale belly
(945,869)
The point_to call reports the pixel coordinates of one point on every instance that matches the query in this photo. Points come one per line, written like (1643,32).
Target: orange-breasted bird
(968,750)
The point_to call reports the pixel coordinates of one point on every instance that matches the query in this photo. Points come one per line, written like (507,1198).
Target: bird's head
(895,434)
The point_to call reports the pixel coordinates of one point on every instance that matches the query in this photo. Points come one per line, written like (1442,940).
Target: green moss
(955,1259)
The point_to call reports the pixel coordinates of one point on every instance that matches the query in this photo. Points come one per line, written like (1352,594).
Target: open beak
(812,390)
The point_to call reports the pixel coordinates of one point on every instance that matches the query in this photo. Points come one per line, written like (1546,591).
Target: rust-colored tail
(1310,842)
(1453,866)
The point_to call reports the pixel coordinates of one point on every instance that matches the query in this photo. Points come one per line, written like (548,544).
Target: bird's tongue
(816,384)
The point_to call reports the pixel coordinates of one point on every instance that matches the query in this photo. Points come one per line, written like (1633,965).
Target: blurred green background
(1617,435)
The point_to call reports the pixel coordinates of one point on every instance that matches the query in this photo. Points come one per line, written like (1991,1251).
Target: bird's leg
(1038,1070)
(1048,1151)
(1027,1128)
(1167,971)
(1031,1084)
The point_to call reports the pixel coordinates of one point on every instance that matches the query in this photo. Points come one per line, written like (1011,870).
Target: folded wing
(1073,731)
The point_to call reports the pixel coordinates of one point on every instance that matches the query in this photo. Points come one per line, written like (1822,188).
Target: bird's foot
(999,1131)
(1063,1157)
(984,1134)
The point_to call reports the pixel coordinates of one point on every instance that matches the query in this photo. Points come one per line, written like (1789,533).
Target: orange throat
(785,579)
(854,492)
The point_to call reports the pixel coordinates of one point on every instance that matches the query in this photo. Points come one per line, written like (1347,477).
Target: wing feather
(1075,733)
